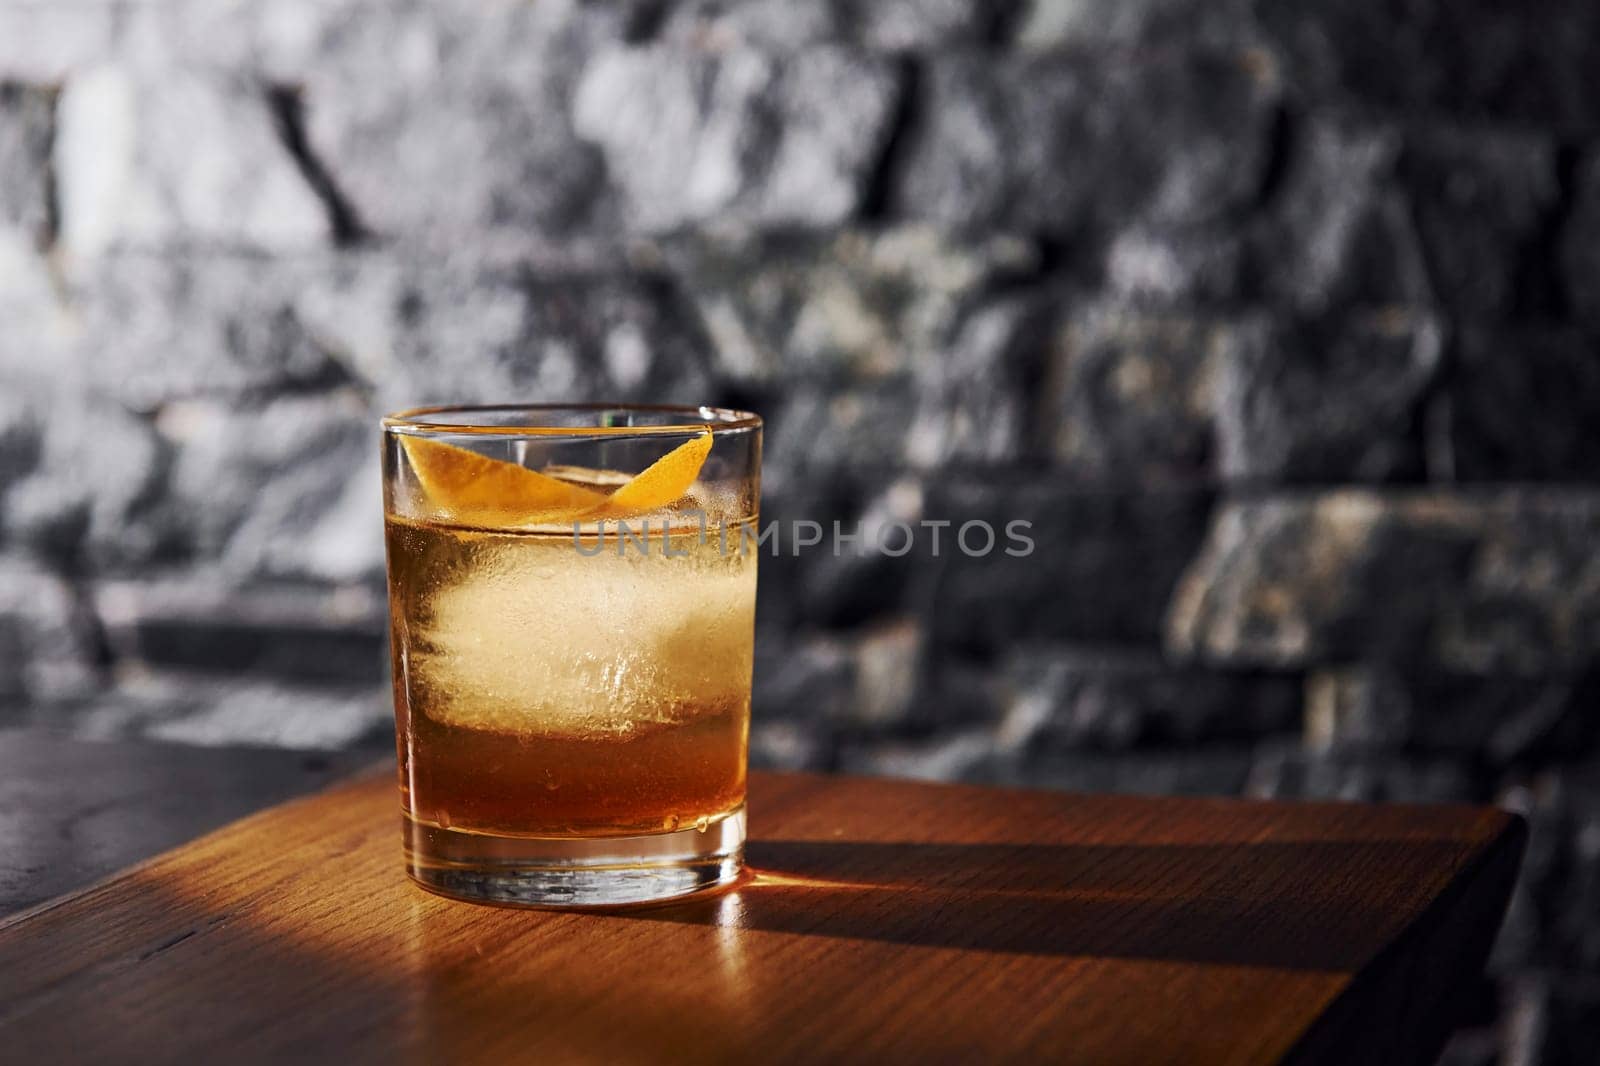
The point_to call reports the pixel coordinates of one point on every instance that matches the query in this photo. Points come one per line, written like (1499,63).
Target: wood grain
(886,922)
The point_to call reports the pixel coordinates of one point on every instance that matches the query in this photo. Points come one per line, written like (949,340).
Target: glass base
(563,872)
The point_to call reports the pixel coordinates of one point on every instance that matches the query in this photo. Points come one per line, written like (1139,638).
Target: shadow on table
(1296,905)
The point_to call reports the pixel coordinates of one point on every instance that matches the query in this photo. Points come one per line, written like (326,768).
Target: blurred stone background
(1276,319)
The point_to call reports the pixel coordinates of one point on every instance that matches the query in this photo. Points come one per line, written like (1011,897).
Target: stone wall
(1277,320)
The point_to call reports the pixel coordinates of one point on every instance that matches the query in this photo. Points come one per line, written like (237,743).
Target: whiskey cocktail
(572,604)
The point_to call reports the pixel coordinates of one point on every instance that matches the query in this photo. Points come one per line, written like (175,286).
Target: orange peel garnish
(468,487)
(660,483)
(475,489)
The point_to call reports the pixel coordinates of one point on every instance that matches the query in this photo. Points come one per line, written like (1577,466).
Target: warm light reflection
(731,943)
(763,879)
(766,879)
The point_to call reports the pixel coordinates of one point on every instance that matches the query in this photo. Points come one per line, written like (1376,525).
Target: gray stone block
(1284,772)
(1522,404)
(956,694)
(1357,709)
(27,124)
(1102,568)
(1068,144)
(150,159)
(97,471)
(40,331)
(1275,582)
(1048,24)
(527,331)
(158,327)
(1327,400)
(46,42)
(46,647)
(1220,771)
(1482,199)
(284,41)
(955,165)
(208,624)
(20,439)
(880,427)
(217,712)
(1175,266)
(691,136)
(976,404)
(965,401)
(819,429)
(871,681)
(1471,58)
(440,120)
(764,24)
(1062,700)
(786,24)
(888,673)
(403,329)
(922,24)
(1248,396)
(1498,722)
(963,756)
(788,746)
(1337,229)
(288,489)
(906,691)
(839,585)
(858,305)
(1489,584)
(806,680)
(1131,394)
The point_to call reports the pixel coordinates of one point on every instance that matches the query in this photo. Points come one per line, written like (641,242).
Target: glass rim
(695,419)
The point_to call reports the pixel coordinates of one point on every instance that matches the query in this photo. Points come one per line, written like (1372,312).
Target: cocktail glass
(571,603)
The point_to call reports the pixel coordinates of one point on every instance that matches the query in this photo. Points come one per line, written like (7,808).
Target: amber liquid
(540,692)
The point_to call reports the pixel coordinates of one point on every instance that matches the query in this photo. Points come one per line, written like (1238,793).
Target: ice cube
(538,638)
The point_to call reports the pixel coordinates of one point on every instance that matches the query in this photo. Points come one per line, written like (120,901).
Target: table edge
(1486,880)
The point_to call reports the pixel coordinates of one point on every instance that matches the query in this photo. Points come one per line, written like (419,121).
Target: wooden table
(885,922)
(73,811)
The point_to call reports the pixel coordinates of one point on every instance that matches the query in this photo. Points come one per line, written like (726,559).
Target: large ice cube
(537,638)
